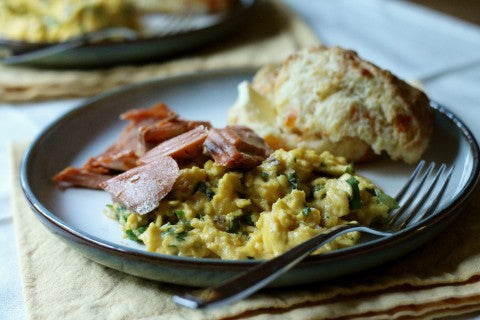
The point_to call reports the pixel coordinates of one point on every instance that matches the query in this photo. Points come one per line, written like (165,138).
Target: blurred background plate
(162,36)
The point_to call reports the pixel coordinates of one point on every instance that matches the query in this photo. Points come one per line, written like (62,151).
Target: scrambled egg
(289,198)
(58,20)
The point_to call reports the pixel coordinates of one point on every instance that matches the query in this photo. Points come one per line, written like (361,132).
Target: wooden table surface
(468,10)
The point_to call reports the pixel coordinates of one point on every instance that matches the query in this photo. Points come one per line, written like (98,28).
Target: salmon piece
(236,147)
(93,166)
(193,124)
(80,177)
(158,111)
(161,131)
(183,147)
(157,124)
(164,130)
(142,188)
(124,153)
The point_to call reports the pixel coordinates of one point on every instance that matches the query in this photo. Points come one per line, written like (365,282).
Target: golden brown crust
(331,99)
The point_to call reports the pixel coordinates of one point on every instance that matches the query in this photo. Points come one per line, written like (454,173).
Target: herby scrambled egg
(289,198)
(58,20)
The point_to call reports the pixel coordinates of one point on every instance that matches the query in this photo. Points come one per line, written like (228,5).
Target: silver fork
(418,199)
(76,42)
(160,25)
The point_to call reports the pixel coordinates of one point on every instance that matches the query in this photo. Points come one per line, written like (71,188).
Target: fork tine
(402,191)
(416,214)
(176,24)
(394,217)
(436,201)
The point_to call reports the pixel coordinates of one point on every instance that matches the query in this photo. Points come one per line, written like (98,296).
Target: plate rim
(57,225)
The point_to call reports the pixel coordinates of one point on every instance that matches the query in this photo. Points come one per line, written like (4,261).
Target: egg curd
(58,20)
(289,198)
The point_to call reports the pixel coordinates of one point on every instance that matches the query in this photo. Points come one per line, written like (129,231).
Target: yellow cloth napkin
(272,33)
(441,278)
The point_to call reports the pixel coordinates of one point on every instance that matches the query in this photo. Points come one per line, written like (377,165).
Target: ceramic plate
(75,215)
(162,36)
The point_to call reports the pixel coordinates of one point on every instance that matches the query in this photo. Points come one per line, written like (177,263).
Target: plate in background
(75,215)
(163,35)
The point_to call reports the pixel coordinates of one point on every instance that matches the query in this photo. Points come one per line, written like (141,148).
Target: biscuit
(330,99)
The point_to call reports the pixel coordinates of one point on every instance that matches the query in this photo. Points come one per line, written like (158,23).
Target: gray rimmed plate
(161,36)
(75,215)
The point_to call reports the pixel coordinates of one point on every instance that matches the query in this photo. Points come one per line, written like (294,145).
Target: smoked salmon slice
(183,147)
(164,130)
(140,189)
(121,155)
(80,177)
(236,147)
(158,111)
(124,153)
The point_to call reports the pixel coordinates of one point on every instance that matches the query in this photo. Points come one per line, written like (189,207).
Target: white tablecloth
(414,43)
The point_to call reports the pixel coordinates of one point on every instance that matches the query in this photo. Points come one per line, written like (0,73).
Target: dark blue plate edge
(58,227)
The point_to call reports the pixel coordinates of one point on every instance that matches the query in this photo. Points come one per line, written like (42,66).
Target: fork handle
(259,276)
(73,43)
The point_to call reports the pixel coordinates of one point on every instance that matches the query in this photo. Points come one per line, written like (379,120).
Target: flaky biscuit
(331,99)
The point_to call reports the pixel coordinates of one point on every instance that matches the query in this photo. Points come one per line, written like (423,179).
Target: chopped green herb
(306,211)
(181,236)
(111,212)
(141,230)
(355,201)
(169,231)
(200,217)
(233,226)
(172,232)
(295,159)
(350,168)
(386,199)
(121,212)
(131,235)
(205,189)
(181,217)
(246,219)
(264,175)
(292,178)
